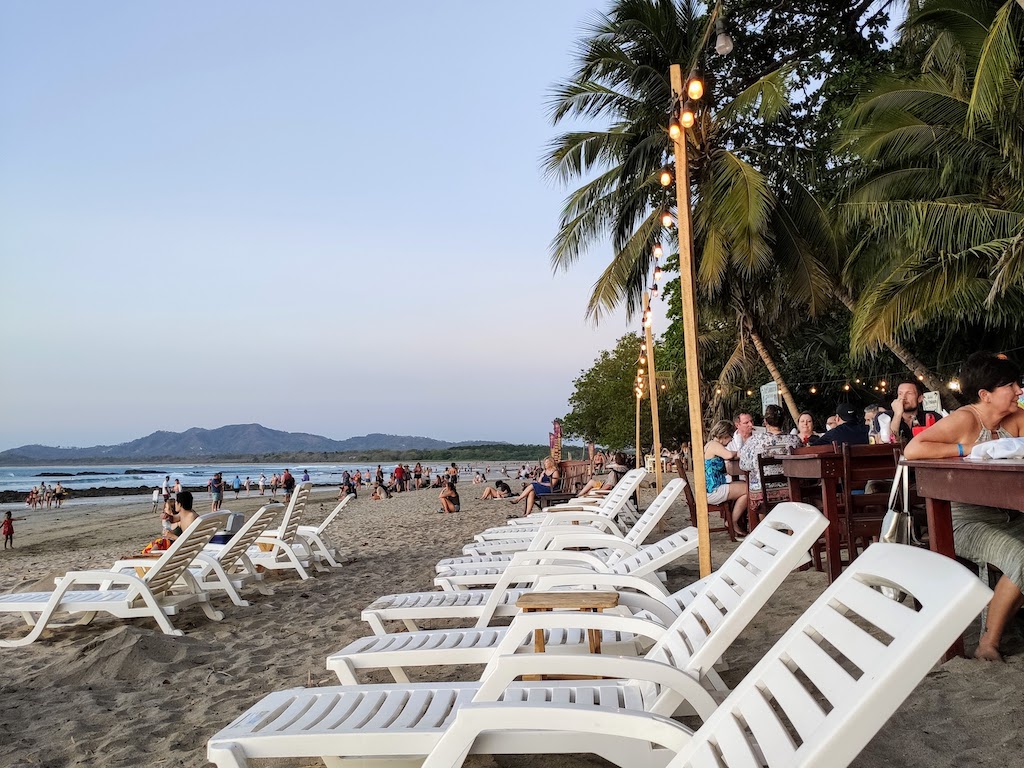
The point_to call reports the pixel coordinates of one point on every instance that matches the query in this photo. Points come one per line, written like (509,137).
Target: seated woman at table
(984,534)
(719,489)
(804,428)
(771,441)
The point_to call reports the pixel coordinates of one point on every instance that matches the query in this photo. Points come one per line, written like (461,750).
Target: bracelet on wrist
(960,448)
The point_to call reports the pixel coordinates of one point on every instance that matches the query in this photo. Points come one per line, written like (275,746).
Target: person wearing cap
(851,429)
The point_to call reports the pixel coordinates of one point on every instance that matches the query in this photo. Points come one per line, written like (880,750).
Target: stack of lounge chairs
(815,699)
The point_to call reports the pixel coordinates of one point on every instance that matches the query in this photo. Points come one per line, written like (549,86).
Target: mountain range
(235,440)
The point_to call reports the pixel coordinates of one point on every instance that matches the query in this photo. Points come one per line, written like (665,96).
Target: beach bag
(898,523)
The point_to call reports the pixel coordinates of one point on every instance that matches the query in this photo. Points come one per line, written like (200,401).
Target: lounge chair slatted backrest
(246,536)
(293,513)
(734,593)
(844,667)
(654,513)
(176,560)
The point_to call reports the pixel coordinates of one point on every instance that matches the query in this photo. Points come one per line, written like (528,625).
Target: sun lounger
(319,543)
(147,596)
(225,567)
(815,699)
(285,549)
(647,562)
(694,642)
(610,506)
(547,536)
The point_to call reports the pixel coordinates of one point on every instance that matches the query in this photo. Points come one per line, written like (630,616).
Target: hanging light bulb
(675,130)
(663,386)
(718,391)
(667,220)
(814,390)
(750,392)
(856,381)
(686,116)
(658,251)
(654,291)
(723,43)
(846,387)
(882,384)
(920,377)
(665,177)
(954,385)
(694,85)
(657,273)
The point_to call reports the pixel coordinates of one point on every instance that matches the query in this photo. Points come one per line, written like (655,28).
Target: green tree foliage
(935,201)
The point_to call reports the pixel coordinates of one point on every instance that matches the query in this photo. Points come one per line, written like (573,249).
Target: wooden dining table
(994,483)
(828,468)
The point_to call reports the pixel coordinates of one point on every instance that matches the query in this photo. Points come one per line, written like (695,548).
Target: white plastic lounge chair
(319,543)
(288,551)
(227,567)
(774,717)
(546,535)
(146,596)
(647,561)
(694,642)
(610,506)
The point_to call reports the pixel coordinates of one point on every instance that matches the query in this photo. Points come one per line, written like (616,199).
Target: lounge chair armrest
(524,624)
(595,519)
(103,578)
(678,686)
(556,557)
(474,718)
(615,581)
(592,540)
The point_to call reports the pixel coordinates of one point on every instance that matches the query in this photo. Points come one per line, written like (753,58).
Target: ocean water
(191,475)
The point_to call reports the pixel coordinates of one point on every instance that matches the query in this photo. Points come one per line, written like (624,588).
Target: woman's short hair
(988,371)
(774,416)
(720,429)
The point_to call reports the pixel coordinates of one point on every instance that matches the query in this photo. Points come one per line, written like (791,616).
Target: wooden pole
(652,381)
(639,458)
(688,300)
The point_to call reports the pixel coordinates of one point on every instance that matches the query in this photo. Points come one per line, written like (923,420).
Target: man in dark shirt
(851,429)
(907,412)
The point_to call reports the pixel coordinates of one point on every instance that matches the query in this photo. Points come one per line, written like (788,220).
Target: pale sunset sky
(321,216)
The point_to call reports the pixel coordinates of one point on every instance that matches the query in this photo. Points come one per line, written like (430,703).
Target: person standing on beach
(288,483)
(58,494)
(263,482)
(164,488)
(156,498)
(177,487)
(216,486)
(236,485)
(7,528)
(305,475)
(247,484)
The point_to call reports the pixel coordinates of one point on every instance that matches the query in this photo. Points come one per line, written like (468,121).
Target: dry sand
(123,694)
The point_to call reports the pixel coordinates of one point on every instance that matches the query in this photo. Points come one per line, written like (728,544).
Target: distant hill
(235,440)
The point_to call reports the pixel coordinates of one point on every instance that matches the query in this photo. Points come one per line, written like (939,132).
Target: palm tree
(764,243)
(935,204)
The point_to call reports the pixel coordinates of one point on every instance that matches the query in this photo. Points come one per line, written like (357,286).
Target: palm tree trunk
(773,369)
(914,365)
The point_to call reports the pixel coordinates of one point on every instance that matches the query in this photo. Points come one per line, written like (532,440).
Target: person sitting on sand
(544,485)
(185,516)
(7,528)
(501,490)
(449,498)
(984,534)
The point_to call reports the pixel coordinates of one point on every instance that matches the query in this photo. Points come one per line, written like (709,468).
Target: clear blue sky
(320,216)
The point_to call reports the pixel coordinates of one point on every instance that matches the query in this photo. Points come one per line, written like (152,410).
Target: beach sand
(117,693)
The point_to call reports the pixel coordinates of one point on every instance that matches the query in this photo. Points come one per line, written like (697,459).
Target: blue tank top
(714,473)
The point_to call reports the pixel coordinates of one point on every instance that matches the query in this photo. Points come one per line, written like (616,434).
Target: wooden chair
(775,490)
(863,512)
(725,510)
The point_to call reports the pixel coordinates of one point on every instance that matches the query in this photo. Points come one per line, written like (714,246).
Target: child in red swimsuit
(7,528)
